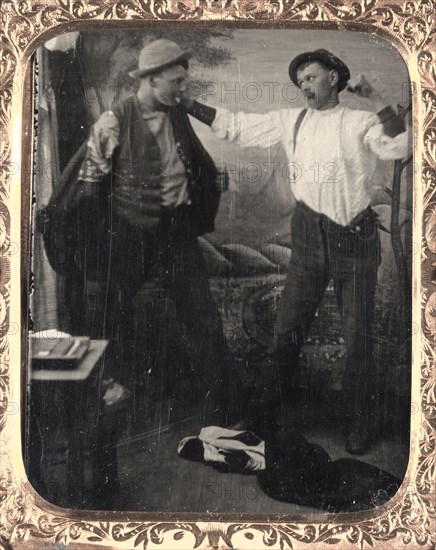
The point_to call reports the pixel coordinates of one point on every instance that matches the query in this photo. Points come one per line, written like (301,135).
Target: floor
(153,478)
(162,410)
(185,486)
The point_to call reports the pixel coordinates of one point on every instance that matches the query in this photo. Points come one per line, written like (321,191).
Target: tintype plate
(179,295)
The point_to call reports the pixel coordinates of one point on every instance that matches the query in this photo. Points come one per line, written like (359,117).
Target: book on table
(57,353)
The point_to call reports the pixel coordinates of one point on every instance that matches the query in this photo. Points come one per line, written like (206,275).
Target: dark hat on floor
(303,473)
(326,58)
(158,55)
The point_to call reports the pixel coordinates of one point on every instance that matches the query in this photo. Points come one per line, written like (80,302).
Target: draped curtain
(45,295)
(44,302)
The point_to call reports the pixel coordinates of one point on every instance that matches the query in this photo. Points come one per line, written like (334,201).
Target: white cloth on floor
(215,445)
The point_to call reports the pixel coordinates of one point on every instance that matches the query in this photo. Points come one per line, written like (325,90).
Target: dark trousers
(323,251)
(172,255)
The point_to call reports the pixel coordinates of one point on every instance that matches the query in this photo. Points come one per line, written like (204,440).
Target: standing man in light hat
(334,230)
(164,194)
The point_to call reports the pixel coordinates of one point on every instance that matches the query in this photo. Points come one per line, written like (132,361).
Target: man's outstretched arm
(247,129)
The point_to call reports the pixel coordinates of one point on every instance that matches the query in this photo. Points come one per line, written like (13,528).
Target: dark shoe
(358,441)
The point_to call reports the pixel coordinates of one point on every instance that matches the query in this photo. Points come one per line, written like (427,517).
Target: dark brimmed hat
(158,55)
(303,473)
(326,58)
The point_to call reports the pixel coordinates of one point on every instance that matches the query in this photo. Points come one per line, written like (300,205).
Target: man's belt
(355,226)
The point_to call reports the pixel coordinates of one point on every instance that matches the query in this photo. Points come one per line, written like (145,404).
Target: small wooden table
(70,402)
(79,374)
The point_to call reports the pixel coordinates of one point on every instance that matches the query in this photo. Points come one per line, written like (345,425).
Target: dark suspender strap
(297,126)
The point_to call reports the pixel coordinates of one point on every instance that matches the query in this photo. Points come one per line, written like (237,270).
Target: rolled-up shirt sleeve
(249,129)
(396,145)
(103,139)
(388,148)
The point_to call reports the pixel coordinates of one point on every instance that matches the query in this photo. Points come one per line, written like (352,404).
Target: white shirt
(335,154)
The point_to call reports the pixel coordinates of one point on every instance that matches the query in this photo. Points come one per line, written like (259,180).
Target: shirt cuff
(393,124)
(202,112)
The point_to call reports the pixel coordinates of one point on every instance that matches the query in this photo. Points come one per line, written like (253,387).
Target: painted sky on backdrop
(263,56)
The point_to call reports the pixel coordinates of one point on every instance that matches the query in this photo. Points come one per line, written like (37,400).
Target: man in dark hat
(164,194)
(334,230)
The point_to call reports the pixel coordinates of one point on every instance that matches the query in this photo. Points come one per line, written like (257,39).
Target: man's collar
(329,110)
(147,109)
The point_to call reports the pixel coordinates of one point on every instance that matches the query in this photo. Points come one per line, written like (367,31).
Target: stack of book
(60,353)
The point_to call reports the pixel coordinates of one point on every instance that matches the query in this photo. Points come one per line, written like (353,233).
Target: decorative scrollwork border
(409,519)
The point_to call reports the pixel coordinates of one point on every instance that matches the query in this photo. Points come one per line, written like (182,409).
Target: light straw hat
(157,55)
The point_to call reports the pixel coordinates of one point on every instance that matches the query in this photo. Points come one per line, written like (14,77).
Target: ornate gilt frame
(26,520)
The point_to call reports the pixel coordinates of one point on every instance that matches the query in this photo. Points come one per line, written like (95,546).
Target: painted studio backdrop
(80,75)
